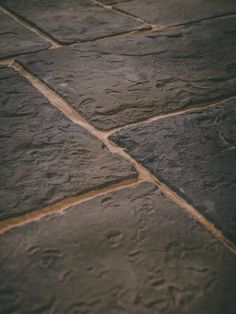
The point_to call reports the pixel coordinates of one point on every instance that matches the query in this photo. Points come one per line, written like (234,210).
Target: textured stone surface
(72,20)
(110,2)
(130,252)
(117,81)
(43,156)
(194,154)
(16,39)
(163,12)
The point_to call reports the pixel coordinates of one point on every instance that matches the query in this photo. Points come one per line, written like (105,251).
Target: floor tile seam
(180,25)
(54,44)
(143,173)
(13,57)
(33,28)
(147,176)
(63,205)
(7,61)
(112,8)
(153,28)
(182,111)
(158,27)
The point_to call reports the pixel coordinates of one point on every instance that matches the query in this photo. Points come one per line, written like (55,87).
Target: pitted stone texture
(72,20)
(195,155)
(44,157)
(131,251)
(174,12)
(118,81)
(16,39)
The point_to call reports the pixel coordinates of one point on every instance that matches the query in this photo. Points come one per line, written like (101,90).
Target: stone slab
(44,157)
(175,12)
(72,20)
(15,39)
(110,2)
(130,251)
(195,155)
(127,79)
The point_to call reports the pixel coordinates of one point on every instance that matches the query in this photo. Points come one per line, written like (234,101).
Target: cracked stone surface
(195,155)
(130,251)
(44,157)
(72,20)
(127,79)
(174,12)
(16,39)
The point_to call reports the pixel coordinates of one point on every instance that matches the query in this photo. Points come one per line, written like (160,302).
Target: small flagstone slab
(195,155)
(44,157)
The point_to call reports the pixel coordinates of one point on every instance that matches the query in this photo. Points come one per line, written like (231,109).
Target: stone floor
(118,157)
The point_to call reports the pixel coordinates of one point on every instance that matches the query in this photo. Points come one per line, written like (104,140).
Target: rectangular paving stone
(15,39)
(195,155)
(127,79)
(130,251)
(174,12)
(72,20)
(44,157)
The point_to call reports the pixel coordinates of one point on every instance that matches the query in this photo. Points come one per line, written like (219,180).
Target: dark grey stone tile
(131,251)
(44,157)
(122,80)
(110,2)
(16,39)
(72,20)
(195,155)
(174,12)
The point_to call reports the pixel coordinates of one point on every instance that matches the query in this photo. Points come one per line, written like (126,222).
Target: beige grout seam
(27,25)
(7,61)
(156,27)
(110,7)
(170,114)
(144,174)
(132,32)
(60,206)
(54,44)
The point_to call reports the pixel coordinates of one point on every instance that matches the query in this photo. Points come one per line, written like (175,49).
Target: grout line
(171,114)
(62,205)
(110,7)
(179,25)
(12,57)
(149,27)
(144,174)
(132,32)
(133,17)
(27,25)
(71,113)
(157,27)
(54,44)
(59,102)
(7,61)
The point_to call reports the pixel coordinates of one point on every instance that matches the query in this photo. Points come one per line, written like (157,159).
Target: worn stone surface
(43,156)
(195,155)
(118,81)
(16,39)
(174,12)
(110,2)
(130,251)
(72,20)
